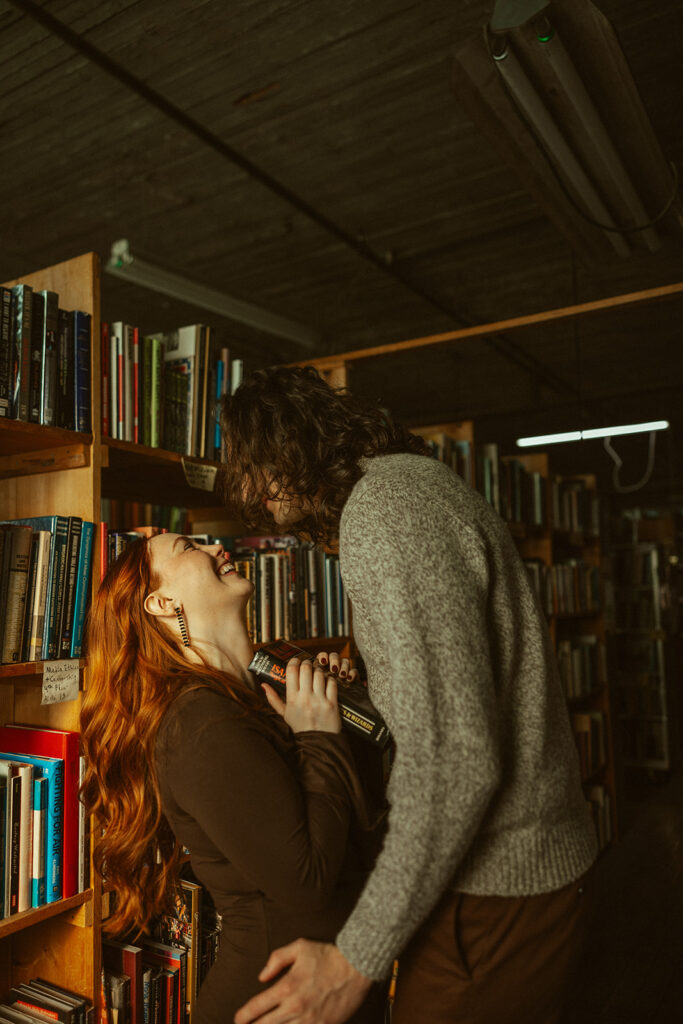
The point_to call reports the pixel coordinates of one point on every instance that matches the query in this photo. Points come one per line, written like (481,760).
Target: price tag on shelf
(199,475)
(60,681)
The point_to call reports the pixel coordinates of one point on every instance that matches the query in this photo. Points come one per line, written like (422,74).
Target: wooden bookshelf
(47,470)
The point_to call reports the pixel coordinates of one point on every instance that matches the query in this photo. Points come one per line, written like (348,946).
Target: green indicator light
(545,37)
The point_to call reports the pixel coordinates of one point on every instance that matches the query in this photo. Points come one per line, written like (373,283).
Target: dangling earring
(181,625)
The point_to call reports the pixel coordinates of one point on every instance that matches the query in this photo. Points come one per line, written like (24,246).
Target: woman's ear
(156,604)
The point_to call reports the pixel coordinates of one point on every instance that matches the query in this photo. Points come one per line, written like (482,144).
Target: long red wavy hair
(135,671)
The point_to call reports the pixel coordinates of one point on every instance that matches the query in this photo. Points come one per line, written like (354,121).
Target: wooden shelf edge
(162,455)
(28,669)
(28,918)
(36,437)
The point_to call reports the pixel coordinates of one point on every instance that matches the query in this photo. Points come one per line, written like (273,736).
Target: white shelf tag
(60,681)
(200,476)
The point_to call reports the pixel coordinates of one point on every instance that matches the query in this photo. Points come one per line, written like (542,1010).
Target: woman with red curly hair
(183,749)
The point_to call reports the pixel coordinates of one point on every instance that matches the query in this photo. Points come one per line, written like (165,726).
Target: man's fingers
(277,961)
(271,998)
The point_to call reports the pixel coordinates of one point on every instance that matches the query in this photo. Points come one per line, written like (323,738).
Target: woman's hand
(311,698)
(340,667)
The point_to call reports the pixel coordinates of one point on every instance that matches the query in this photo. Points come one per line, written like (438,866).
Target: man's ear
(156,604)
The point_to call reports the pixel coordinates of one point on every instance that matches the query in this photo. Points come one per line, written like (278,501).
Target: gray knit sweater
(485,790)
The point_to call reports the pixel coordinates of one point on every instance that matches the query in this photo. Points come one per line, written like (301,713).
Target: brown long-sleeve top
(266,815)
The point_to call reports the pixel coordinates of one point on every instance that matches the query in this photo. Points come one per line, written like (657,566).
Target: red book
(124,958)
(21,739)
(173,960)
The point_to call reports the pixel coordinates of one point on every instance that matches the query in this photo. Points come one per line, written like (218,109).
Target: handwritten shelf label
(200,476)
(60,681)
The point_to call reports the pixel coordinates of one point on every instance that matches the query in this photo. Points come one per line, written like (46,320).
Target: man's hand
(320,987)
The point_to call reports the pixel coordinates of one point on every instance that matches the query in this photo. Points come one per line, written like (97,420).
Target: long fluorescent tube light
(602,158)
(586,435)
(123,264)
(552,139)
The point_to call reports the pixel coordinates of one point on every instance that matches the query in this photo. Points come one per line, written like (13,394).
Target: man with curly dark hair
(480,889)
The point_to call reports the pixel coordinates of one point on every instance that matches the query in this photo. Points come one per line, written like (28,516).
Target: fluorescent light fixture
(123,264)
(632,428)
(586,435)
(553,140)
(591,136)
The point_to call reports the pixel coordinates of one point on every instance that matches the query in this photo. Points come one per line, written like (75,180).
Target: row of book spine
(45,566)
(41,1000)
(582,665)
(517,494)
(163,389)
(298,590)
(44,360)
(570,587)
(44,835)
(158,977)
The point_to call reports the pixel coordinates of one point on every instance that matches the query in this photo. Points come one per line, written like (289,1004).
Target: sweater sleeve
(418,581)
(283,823)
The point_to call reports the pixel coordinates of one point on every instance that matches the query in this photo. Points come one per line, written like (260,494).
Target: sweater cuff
(373,961)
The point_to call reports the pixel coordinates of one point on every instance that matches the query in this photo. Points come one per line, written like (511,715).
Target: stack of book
(125,515)
(45,564)
(43,828)
(158,977)
(570,587)
(575,507)
(44,360)
(455,453)
(523,494)
(40,1000)
(163,390)
(582,665)
(298,589)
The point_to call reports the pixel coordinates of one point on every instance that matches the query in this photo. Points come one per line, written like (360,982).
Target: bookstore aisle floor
(634,967)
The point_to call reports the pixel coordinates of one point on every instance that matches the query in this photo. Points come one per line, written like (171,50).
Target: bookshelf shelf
(29,670)
(153,474)
(141,453)
(50,471)
(29,918)
(16,437)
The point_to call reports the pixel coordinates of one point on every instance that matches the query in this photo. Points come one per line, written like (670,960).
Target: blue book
(59,528)
(82,587)
(38,869)
(220,370)
(52,770)
(81,323)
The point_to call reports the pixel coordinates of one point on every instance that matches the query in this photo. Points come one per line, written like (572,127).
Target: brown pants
(494,959)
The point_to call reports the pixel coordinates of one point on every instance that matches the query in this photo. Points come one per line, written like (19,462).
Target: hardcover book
(358,714)
(51,770)
(65,745)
